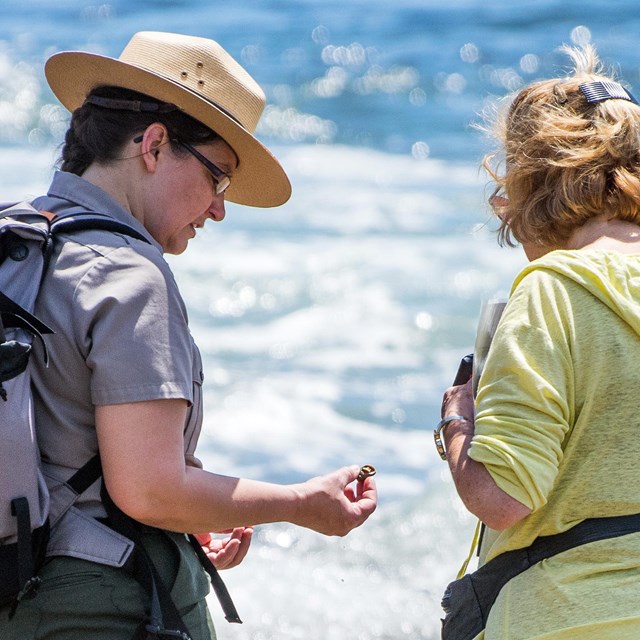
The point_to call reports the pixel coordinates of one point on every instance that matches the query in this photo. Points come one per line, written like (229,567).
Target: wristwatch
(436,434)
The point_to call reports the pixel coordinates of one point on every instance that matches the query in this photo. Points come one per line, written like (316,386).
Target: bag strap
(82,221)
(164,618)
(20,509)
(489,579)
(70,222)
(590,530)
(229,609)
(26,561)
(86,475)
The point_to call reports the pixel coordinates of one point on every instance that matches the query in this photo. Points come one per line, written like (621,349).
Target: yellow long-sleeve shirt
(558,428)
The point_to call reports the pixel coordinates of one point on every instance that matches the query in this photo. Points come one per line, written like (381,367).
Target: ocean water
(331,326)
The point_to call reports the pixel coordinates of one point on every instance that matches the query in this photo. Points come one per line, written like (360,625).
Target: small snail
(366,471)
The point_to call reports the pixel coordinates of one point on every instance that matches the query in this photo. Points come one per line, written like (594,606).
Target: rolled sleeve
(524,394)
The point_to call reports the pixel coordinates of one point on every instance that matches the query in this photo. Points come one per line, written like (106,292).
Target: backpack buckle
(159,632)
(29,591)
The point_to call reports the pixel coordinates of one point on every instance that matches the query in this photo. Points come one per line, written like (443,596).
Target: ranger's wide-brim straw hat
(203,80)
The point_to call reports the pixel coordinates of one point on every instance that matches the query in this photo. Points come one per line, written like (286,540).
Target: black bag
(468,601)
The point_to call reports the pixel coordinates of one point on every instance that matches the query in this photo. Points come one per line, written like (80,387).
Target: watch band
(438,430)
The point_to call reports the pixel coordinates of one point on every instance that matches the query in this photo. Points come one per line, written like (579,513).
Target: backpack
(27,238)
(26,243)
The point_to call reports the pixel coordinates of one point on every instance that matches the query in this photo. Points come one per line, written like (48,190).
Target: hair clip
(605,90)
(560,94)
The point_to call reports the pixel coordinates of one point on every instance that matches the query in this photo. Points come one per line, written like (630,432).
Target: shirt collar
(69,192)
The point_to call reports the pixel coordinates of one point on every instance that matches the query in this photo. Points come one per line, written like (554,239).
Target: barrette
(600,90)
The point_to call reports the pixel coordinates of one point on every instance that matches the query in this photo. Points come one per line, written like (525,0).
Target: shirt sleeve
(134,330)
(525,392)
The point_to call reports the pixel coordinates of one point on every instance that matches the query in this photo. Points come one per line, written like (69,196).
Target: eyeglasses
(222,180)
(500,205)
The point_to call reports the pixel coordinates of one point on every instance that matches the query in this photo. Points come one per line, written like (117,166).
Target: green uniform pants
(80,600)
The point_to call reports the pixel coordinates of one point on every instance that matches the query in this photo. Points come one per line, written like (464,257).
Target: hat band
(145,107)
(131,105)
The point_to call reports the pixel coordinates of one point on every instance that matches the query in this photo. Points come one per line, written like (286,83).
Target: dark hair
(98,132)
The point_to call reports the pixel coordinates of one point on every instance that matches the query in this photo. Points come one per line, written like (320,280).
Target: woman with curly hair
(546,454)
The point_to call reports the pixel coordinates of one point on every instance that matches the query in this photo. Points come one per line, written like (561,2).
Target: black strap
(229,609)
(164,619)
(28,582)
(131,105)
(587,531)
(489,579)
(17,316)
(81,221)
(83,479)
(20,509)
(86,475)
(27,541)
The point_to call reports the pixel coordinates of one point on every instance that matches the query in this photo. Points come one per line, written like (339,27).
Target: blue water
(331,326)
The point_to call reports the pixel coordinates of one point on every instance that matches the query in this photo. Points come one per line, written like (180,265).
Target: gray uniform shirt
(121,335)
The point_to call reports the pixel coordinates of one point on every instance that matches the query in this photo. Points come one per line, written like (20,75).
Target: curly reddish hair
(562,160)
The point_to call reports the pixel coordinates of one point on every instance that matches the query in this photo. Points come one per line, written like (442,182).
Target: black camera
(464,370)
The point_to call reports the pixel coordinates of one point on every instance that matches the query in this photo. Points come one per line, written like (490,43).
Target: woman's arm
(476,488)
(142,452)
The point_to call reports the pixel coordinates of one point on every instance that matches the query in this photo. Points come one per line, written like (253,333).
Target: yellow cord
(474,544)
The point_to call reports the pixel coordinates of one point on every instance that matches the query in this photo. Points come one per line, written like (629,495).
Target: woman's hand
(228,552)
(329,504)
(458,401)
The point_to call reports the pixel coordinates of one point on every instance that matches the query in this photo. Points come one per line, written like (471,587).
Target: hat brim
(258,181)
